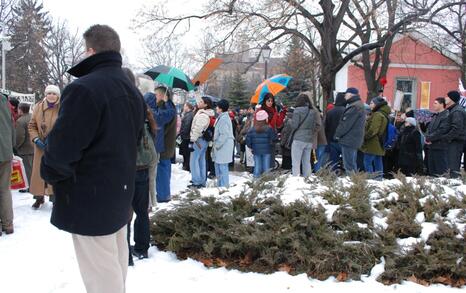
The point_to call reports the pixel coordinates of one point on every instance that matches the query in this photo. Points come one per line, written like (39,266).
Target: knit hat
(352,90)
(454,96)
(261,115)
(223,104)
(379,101)
(52,89)
(411,121)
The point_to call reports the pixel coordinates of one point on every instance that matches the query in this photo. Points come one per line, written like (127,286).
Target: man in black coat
(436,144)
(350,130)
(456,134)
(90,160)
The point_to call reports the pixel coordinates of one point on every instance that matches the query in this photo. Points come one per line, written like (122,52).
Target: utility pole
(5,47)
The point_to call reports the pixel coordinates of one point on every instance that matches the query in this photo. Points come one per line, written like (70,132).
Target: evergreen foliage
(256,231)
(237,93)
(27,65)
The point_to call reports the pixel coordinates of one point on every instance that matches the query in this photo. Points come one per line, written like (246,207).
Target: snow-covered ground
(40,258)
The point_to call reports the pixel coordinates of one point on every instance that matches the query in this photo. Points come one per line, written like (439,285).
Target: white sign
(22,98)
(398,100)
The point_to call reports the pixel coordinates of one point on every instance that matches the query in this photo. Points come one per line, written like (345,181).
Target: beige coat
(42,121)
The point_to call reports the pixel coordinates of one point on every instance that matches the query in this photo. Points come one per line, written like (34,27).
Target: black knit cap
(454,96)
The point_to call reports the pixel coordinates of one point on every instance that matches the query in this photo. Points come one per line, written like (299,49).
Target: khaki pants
(103,261)
(152,176)
(6,203)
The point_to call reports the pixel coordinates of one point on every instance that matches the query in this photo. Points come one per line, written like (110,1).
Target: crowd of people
(103,150)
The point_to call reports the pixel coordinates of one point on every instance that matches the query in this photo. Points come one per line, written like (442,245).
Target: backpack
(146,149)
(390,137)
(208,134)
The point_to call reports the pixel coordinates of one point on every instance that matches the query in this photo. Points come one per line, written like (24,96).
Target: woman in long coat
(43,118)
(222,151)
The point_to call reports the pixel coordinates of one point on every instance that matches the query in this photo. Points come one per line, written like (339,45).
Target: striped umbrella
(273,85)
(171,77)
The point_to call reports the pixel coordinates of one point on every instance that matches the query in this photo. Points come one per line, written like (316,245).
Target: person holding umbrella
(164,112)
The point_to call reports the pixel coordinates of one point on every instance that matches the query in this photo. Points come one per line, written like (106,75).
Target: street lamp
(5,47)
(266,51)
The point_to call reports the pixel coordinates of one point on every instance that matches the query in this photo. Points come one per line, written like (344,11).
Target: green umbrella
(171,76)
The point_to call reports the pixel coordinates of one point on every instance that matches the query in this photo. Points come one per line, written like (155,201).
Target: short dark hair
(163,90)
(102,38)
(441,100)
(24,107)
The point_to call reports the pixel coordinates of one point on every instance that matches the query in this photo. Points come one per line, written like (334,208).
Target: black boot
(38,203)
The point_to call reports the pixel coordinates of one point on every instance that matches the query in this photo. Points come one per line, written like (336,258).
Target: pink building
(417,69)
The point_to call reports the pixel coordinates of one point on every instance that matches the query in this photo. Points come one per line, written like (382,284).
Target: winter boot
(38,203)
(8,230)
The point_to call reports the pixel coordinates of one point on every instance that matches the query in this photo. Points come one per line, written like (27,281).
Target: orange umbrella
(273,85)
(206,70)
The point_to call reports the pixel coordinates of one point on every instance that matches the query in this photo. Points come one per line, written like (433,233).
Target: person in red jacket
(276,118)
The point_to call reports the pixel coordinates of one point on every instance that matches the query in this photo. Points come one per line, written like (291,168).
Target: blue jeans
(349,158)
(261,164)
(322,156)
(373,164)
(140,206)
(164,172)
(221,171)
(335,153)
(197,163)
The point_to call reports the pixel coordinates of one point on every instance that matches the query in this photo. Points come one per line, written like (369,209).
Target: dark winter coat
(186,122)
(333,118)
(376,127)
(169,134)
(350,130)
(90,158)
(436,131)
(261,142)
(456,124)
(24,144)
(410,153)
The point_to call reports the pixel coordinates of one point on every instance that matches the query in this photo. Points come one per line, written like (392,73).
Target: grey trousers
(301,154)
(27,161)
(6,202)
(103,261)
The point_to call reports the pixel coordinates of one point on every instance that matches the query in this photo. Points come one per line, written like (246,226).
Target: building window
(407,86)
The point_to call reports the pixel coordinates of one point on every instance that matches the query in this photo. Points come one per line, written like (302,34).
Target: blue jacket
(261,143)
(164,113)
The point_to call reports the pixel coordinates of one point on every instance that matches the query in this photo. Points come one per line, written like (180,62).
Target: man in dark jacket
(90,160)
(437,146)
(350,130)
(456,134)
(185,130)
(24,146)
(331,123)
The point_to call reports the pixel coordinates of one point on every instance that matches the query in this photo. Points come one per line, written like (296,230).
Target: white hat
(411,121)
(52,89)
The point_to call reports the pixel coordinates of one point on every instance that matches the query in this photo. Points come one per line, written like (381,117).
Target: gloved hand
(39,143)
(191,146)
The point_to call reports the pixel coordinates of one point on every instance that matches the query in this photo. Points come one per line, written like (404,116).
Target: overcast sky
(117,13)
